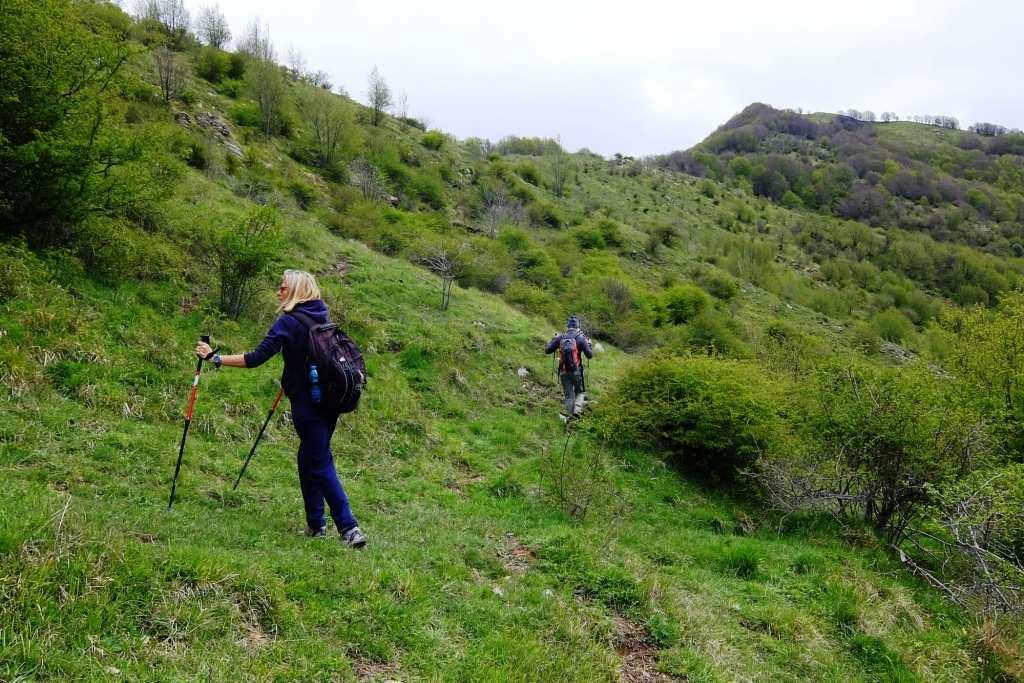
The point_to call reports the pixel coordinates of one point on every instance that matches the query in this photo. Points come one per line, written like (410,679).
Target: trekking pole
(280,392)
(188,420)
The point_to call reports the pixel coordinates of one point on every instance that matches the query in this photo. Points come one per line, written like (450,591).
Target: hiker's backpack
(569,355)
(340,366)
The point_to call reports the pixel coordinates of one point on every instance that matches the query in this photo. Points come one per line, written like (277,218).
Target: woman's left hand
(203,349)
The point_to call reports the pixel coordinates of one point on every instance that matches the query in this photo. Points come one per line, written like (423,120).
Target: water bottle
(314,383)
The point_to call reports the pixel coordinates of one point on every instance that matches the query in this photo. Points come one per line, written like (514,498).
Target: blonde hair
(301,287)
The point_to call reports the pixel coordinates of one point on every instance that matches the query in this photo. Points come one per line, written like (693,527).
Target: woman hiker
(318,479)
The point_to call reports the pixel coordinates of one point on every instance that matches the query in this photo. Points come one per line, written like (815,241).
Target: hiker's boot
(353,538)
(315,533)
(579,403)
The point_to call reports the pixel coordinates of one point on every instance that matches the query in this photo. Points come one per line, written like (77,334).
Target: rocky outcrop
(214,124)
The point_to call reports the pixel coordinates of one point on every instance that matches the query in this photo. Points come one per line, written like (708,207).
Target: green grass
(480,565)
(442,464)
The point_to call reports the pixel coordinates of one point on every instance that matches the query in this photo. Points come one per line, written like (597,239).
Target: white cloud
(646,77)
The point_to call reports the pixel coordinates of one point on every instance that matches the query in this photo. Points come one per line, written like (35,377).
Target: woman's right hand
(203,349)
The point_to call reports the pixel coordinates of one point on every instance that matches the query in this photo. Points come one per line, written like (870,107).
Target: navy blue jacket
(289,336)
(582,343)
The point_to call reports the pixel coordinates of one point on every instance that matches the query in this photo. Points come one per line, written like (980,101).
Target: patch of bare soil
(366,670)
(639,653)
(516,557)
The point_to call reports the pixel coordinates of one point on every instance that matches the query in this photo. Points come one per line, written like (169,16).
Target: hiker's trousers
(572,388)
(317,477)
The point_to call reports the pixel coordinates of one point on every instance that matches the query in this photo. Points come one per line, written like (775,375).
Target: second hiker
(571,346)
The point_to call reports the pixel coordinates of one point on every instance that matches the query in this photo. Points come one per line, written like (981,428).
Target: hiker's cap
(573,323)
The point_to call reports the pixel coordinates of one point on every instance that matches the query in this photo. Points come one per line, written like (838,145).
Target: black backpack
(339,364)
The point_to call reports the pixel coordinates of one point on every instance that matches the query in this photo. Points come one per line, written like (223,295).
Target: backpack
(569,355)
(340,366)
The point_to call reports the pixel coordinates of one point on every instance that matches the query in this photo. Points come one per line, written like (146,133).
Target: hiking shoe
(353,538)
(315,533)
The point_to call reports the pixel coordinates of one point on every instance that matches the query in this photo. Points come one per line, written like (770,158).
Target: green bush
(546,214)
(892,325)
(529,173)
(304,193)
(113,250)
(610,231)
(718,285)
(434,140)
(231,87)
(533,299)
(213,64)
(683,302)
(243,255)
(863,337)
(709,332)
(198,156)
(588,237)
(701,413)
(429,190)
(246,113)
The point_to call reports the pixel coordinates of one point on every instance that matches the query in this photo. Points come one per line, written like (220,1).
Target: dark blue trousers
(317,476)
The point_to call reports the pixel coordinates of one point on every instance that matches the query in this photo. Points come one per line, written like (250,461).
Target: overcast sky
(642,77)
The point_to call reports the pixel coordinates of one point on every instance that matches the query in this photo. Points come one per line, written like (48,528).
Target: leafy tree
(769,183)
(212,27)
(332,133)
(379,95)
(264,77)
(56,149)
(986,348)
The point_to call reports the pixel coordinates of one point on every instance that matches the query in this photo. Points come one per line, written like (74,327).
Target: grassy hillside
(474,570)
(499,548)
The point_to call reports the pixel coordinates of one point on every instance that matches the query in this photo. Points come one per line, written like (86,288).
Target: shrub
(702,413)
(610,231)
(303,193)
(213,64)
(718,285)
(198,155)
(708,332)
(246,113)
(546,214)
(434,140)
(533,299)
(864,337)
(238,64)
(429,190)
(790,200)
(683,302)
(892,325)
(244,255)
(589,237)
(529,173)
(231,87)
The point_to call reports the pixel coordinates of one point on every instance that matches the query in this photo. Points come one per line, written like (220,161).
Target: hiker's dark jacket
(582,343)
(289,336)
